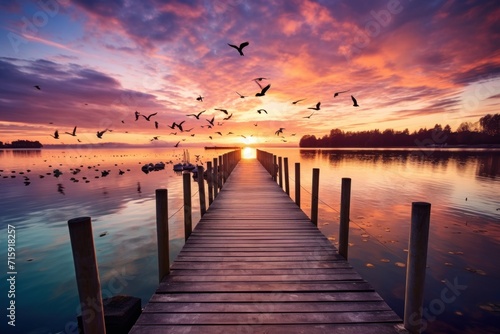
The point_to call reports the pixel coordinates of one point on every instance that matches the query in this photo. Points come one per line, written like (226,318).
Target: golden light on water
(248,153)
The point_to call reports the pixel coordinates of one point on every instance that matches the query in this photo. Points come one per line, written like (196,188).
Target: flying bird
(223,110)
(256,80)
(100,133)
(309,115)
(72,133)
(56,135)
(176,145)
(337,93)
(280,130)
(211,121)
(295,102)
(137,114)
(263,91)
(37,87)
(354,102)
(148,118)
(317,106)
(261,110)
(240,48)
(199,98)
(179,126)
(219,133)
(156,124)
(228,117)
(197,115)
(242,96)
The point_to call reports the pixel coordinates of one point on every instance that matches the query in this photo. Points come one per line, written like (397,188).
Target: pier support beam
(188,219)
(315,196)
(162,233)
(297,183)
(345,207)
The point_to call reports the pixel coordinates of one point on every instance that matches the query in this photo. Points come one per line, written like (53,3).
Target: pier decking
(256,264)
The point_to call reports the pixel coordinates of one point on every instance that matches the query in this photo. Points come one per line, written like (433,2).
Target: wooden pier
(255,263)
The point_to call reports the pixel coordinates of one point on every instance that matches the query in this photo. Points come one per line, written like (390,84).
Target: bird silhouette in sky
(241,96)
(37,87)
(72,133)
(219,133)
(211,121)
(263,91)
(56,135)
(297,101)
(354,102)
(137,114)
(223,110)
(262,110)
(156,124)
(256,80)
(179,126)
(280,130)
(337,93)
(148,118)
(239,48)
(100,133)
(228,117)
(317,106)
(197,115)
(199,98)
(309,115)
(176,145)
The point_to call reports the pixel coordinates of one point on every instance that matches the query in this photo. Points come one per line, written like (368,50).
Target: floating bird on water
(148,118)
(280,130)
(239,48)
(197,115)
(72,133)
(262,110)
(295,102)
(263,91)
(100,133)
(37,87)
(354,102)
(56,135)
(317,106)
(337,93)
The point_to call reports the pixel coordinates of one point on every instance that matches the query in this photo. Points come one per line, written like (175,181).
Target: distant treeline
(484,132)
(21,144)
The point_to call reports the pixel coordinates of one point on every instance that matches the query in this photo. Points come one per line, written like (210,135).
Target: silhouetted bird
(100,133)
(179,126)
(211,121)
(56,134)
(148,118)
(241,96)
(263,91)
(37,87)
(137,114)
(72,133)
(295,102)
(199,98)
(337,93)
(309,115)
(228,117)
(354,102)
(261,110)
(280,130)
(219,133)
(176,145)
(197,115)
(317,106)
(239,48)
(156,124)
(223,110)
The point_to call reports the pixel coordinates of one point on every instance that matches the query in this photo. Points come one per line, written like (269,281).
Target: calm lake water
(463,188)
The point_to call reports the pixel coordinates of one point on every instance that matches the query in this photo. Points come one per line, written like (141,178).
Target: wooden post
(210,183)
(297,183)
(188,220)
(221,172)
(201,191)
(415,270)
(215,178)
(315,196)
(345,205)
(280,171)
(87,274)
(273,169)
(162,233)
(287,181)
(225,164)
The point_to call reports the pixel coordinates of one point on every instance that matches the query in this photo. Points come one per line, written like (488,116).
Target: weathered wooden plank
(231,265)
(260,271)
(294,277)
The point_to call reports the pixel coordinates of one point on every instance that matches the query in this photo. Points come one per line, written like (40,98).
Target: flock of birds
(211,123)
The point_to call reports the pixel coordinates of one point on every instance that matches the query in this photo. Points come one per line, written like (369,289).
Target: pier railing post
(287,180)
(225,163)
(297,183)
(280,172)
(215,177)
(274,169)
(162,233)
(345,206)
(87,275)
(188,220)
(415,270)
(201,191)
(221,172)
(315,196)
(210,183)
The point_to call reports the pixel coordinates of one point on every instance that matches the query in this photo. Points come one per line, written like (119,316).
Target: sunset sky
(409,64)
